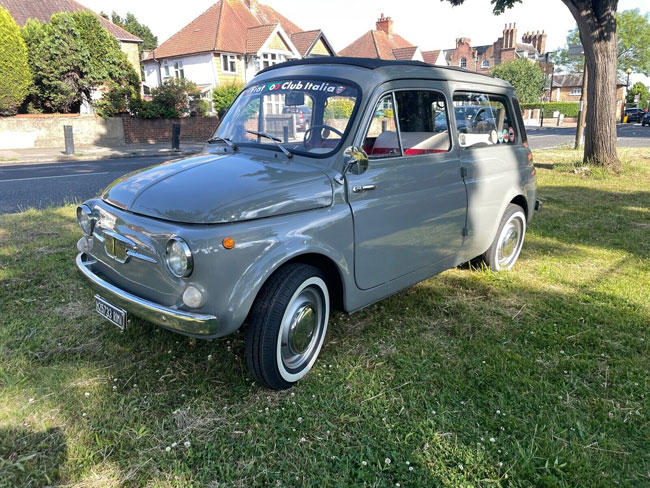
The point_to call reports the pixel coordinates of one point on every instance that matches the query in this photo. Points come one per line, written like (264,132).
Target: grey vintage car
(274,224)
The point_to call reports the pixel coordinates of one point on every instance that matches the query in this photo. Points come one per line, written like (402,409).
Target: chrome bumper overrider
(184,322)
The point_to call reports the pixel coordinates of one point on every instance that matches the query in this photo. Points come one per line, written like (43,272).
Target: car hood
(211,189)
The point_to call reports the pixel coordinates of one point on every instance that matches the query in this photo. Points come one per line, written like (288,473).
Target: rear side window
(520,120)
(483,120)
(381,139)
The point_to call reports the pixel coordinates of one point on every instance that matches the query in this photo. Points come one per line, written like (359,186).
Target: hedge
(15,75)
(569,109)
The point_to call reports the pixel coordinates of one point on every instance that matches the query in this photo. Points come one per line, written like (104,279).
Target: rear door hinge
(463,172)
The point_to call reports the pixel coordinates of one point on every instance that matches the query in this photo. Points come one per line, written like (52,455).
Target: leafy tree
(173,98)
(596,21)
(224,95)
(15,76)
(633,50)
(641,90)
(72,56)
(131,24)
(526,77)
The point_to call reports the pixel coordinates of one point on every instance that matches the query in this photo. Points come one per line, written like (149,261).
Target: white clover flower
(31,400)
(209,357)
(387,461)
(500,464)
(293,394)
(174,444)
(498,412)
(492,439)
(408,463)
(134,385)
(364,463)
(187,444)
(302,439)
(114,380)
(168,449)
(83,414)
(410,468)
(86,394)
(300,420)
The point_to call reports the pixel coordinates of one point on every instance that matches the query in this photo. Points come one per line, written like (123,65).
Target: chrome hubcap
(510,242)
(301,328)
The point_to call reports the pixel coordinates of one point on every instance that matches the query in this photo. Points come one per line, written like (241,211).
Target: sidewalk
(90,153)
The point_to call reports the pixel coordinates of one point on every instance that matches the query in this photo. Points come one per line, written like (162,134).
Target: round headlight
(85,219)
(179,257)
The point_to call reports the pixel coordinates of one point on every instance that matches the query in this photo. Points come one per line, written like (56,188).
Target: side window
(484,120)
(422,116)
(381,139)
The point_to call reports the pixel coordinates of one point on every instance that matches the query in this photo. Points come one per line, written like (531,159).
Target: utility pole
(582,114)
(550,93)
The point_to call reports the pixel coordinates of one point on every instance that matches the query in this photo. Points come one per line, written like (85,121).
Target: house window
(269,59)
(229,63)
(485,64)
(463,63)
(576,92)
(166,68)
(179,72)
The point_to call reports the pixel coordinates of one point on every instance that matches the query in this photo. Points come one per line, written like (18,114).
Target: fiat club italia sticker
(511,134)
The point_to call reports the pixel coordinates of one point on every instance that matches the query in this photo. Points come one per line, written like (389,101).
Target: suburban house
(230,42)
(383,43)
(42,10)
(504,49)
(568,88)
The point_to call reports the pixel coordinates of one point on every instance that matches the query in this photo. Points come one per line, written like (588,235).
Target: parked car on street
(634,114)
(302,116)
(275,233)
(646,119)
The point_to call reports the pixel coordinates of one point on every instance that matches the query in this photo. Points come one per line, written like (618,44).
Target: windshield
(307,116)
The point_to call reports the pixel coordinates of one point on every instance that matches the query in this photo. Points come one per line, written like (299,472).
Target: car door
(409,206)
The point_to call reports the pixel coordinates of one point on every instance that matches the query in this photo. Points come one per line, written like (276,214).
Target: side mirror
(356,162)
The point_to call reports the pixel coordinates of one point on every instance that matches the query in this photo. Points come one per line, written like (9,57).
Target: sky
(429,24)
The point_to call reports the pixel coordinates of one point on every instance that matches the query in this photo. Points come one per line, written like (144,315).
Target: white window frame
(485,64)
(226,59)
(179,71)
(463,62)
(166,69)
(575,92)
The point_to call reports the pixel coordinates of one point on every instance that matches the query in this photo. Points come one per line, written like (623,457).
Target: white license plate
(110,312)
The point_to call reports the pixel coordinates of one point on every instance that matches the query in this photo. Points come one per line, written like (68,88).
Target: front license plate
(110,312)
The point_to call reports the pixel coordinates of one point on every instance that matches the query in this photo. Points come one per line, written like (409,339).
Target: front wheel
(506,247)
(287,326)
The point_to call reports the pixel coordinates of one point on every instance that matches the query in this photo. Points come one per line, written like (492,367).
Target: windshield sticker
(506,136)
(500,135)
(311,86)
(511,134)
(493,137)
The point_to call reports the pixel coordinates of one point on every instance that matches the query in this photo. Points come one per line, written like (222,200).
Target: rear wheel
(506,247)
(287,326)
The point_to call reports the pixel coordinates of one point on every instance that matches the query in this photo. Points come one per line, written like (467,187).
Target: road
(42,185)
(629,135)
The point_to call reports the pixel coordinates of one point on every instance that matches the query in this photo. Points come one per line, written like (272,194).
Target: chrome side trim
(193,324)
(141,257)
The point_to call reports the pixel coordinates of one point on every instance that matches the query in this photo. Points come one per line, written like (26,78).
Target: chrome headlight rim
(187,254)
(84,211)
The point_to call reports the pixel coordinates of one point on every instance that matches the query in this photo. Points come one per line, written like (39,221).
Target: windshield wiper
(230,144)
(274,139)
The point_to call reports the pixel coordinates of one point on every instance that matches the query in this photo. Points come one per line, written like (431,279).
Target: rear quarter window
(484,120)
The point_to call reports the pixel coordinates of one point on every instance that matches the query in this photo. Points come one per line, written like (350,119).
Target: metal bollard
(69,140)
(176,136)
(384,125)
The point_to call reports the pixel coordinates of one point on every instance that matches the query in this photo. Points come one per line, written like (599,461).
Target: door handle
(361,189)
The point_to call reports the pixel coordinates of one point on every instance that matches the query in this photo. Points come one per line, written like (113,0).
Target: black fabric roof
(368,63)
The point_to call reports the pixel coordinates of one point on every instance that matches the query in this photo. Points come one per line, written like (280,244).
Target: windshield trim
(273,147)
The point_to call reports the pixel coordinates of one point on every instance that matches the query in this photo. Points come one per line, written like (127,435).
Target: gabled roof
(224,27)
(305,40)
(42,10)
(574,81)
(376,44)
(257,36)
(430,57)
(404,53)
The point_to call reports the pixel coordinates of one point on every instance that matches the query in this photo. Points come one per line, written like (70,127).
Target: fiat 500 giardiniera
(276,223)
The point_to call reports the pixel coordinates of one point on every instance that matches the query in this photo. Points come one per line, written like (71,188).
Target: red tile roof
(257,36)
(376,44)
(42,10)
(430,56)
(304,40)
(404,53)
(224,27)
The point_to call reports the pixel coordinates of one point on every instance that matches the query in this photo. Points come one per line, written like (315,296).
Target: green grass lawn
(536,377)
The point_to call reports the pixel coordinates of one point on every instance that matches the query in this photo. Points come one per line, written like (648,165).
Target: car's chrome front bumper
(197,325)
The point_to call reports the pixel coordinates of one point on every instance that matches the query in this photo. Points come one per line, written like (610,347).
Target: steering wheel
(306,139)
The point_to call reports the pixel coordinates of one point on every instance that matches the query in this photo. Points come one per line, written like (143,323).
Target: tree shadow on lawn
(600,218)
(29,458)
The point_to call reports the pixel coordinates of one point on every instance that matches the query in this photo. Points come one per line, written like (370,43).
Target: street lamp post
(627,88)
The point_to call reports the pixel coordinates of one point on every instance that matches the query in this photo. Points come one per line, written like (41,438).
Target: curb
(97,157)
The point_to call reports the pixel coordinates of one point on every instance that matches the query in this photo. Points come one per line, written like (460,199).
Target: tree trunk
(596,21)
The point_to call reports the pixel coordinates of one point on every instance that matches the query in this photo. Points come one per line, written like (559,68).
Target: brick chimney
(252,4)
(510,36)
(537,39)
(385,24)
(463,40)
